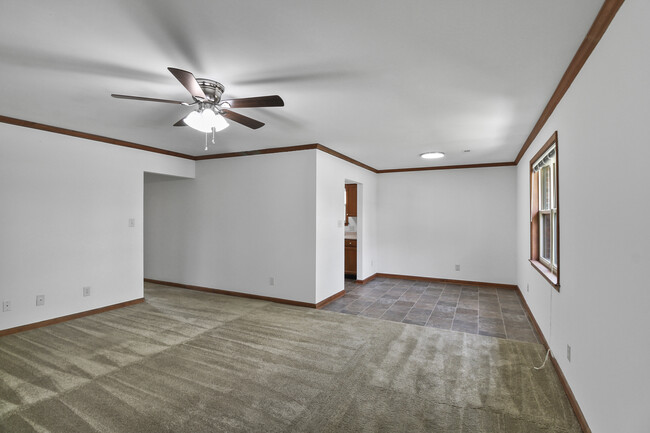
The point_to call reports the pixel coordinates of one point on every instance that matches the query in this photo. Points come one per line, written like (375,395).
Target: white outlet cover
(40,300)
(6,306)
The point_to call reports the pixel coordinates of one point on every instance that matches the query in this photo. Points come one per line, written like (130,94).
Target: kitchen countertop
(350,235)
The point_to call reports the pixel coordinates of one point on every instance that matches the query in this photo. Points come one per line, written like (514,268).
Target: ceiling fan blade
(244,120)
(181,122)
(258,101)
(189,82)
(142,98)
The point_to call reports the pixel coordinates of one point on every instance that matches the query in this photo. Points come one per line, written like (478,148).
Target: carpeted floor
(189,361)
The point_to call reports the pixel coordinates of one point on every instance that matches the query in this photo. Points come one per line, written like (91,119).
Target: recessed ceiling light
(432,155)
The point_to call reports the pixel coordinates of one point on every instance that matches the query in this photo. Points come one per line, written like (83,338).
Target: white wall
(65,207)
(240,222)
(429,221)
(603,307)
(331,175)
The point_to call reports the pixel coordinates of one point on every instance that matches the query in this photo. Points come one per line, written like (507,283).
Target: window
(544,212)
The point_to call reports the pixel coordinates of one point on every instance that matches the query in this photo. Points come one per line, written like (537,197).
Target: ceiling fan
(211,109)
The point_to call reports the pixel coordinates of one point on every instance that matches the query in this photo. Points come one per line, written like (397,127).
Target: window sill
(547,274)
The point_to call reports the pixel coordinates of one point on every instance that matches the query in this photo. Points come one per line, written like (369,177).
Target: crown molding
(596,32)
(88,136)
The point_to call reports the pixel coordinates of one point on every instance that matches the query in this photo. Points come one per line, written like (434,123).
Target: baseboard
(447,281)
(332,298)
(68,317)
(367,280)
(321,304)
(567,389)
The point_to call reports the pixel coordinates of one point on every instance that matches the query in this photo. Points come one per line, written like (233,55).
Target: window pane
(554,238)
(545,188)
(545,236)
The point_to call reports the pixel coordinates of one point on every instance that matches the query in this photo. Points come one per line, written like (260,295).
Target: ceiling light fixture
(432,155)
(206,120)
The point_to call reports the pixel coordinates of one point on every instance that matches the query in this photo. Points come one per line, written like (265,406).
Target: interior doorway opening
(351,232)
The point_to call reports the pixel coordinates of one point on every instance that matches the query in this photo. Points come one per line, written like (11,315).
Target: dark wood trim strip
(87,136)
(93,137)
(567,389)
(332,298)
(367,280)
(596,32)
(266,151)
(239,294)
(448,281)
(345,158)
(68,317)
(544,272)
(448,167)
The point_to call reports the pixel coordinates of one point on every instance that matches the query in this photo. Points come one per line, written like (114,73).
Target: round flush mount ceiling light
(432,155)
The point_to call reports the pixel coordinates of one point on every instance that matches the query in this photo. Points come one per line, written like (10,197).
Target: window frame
(549,269)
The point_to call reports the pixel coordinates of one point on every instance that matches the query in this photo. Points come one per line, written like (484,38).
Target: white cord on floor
(543,363)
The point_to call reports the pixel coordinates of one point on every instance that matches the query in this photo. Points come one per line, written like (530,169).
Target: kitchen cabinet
(351,257)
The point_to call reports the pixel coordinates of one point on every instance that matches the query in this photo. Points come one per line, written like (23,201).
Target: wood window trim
(547,273)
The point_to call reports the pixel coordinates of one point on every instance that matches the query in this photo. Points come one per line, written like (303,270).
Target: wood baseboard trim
(448,281)
(565,384)
(332,298)
(244,295)
(69,317)
(367,280)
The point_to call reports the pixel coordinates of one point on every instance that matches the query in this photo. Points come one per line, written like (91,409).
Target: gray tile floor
(465,308)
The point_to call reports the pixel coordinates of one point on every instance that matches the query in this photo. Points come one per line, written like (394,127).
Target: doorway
(351,229)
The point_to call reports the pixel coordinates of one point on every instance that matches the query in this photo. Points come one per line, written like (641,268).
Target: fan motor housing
(212,89)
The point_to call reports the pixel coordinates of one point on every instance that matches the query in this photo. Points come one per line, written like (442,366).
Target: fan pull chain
(206,141)
(213,131)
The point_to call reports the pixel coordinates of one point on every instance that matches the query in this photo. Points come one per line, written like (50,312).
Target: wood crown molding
(565,384)
(69,317)
(596,32)
(318,305)
(87,136)
(448,167)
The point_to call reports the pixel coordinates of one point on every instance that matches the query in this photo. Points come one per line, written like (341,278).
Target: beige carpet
(189,361)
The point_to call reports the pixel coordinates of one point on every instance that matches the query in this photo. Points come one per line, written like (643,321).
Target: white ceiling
(379,81)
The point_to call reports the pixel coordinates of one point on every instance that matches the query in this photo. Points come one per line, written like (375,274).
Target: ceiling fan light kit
(206,121)
(212,111)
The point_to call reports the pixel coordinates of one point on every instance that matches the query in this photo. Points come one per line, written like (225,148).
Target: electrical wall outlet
(40,300)
(527,287)
(568,352)
(86,291)
(457,267)
(271,281)
(131,222)
(6,305)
